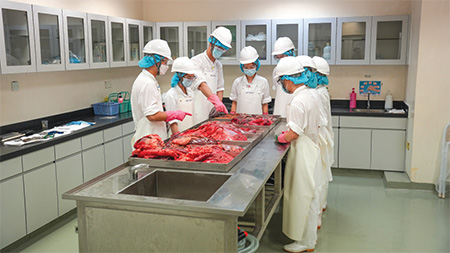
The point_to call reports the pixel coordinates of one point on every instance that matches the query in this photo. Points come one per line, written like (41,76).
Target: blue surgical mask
(187,82)
(217,53)
(284,88)
(249,72)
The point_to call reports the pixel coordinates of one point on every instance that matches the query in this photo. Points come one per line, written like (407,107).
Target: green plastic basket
(125,106)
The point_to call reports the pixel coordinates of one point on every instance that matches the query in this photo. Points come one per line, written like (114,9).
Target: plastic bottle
(96,54)
(388,101)
(327,51)
(120,99)
(353,99)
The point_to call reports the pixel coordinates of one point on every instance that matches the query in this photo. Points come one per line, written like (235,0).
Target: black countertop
(338,108)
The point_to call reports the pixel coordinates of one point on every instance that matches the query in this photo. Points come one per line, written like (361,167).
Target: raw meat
(218,131)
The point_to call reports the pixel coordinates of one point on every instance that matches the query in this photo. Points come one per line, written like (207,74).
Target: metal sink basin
(368,110)
(197,186)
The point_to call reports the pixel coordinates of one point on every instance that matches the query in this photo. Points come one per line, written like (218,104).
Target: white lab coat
(326,148)
(176,99)
(250,96)
(212,74)
(281,98)
(146,100)
(301,195)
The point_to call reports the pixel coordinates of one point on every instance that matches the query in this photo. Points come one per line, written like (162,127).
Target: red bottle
(353,99)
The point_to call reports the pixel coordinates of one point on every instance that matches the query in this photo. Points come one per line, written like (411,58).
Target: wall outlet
(14,85)
(108,84)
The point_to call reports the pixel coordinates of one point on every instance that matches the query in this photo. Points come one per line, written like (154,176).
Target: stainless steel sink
(177,185)
(368,110)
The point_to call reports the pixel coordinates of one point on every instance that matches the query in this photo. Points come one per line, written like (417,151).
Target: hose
(252,247)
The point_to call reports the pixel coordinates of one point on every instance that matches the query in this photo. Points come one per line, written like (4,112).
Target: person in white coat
(146,103)
(323,70)
(301,196)
(283,47)
(180,96)
(250,93)
(211,71)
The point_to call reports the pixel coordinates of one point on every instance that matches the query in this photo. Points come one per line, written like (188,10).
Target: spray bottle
(353,99)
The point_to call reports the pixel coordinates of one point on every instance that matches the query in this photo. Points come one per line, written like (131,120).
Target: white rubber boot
(296,247)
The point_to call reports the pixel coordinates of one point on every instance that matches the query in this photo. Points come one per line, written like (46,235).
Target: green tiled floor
(362,216)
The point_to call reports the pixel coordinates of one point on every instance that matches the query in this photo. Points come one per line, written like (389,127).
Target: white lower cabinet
(354,148)
(126,143)
(93,162)
(40,197)
(388,150)
(336,147)
(69,174)
(12,211)
(113,154)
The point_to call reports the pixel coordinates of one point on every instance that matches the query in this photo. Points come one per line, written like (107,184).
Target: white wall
(44,94)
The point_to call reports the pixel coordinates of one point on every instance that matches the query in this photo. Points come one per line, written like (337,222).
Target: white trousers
(310,232)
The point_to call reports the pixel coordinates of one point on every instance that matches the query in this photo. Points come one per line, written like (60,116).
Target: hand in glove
(280,138)
(178,115)
(220,107)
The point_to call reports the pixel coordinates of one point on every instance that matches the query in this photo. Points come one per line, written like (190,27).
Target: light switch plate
(14,86)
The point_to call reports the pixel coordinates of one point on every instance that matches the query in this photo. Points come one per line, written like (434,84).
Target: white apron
(186,104)
(202,105)
(281,102)
(249,102)
(146,127)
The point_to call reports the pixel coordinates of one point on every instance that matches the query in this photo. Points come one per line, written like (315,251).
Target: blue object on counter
(79,123)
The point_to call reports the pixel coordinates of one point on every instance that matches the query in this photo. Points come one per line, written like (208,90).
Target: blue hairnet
(176,79)
(290,53)
(296,78)
(322,79)
(258,64)
(149,60)
(216,42)
(312,78)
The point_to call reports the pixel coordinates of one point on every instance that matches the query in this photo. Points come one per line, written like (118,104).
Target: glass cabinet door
(389,36)
(196,36)
(171,32)
(49,34)
(293,29)
(149,32)
(320,37)
(17,44)
(353,41)
(98,41)
(258,34)
(134,43)
(75,34)
(117,37)
(232,55)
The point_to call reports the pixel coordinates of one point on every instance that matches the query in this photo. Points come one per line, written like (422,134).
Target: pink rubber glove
(179,115)
(232,112)
(280,138)
(220,107)
(265,113)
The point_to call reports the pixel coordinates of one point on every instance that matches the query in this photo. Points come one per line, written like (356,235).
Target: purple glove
(178,115)
(220,107)
(280,138)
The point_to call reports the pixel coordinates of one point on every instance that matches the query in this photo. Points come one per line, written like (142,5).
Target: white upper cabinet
(231,56)
(134,43)
(173,34)
(117,37)
(257,33)
(99,41)
(353,41)
(75,40)
(320,38)
(291,28)
(148,32)
(17,38)
(389,40)
(48,30)
(196,36)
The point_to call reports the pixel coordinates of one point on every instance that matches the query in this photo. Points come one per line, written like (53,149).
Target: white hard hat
(288,66)
(283,44)
(183,65)
(306,61)
(248,55)
(159,47)
(322,65)
(223,35)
